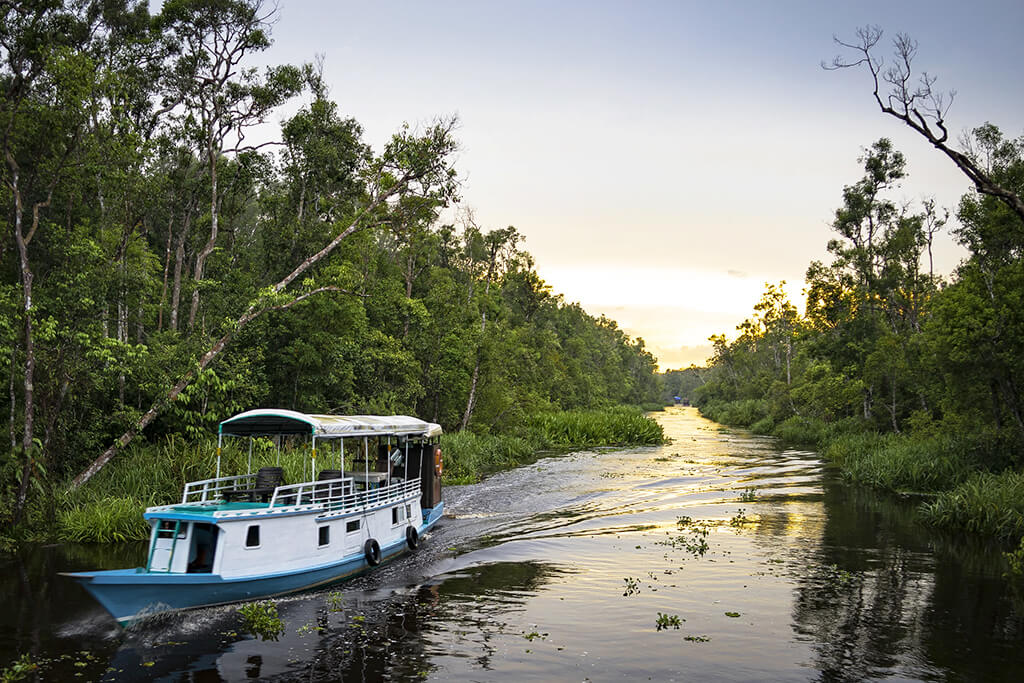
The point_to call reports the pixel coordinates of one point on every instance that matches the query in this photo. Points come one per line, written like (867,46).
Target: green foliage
(602,427)
(741,413)
(987,504)
(763,426)
(905,384)
(261,619)
(107,520)
(667,621)
(156,239)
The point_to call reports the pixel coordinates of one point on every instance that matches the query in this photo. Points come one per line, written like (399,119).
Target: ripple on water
(559,571)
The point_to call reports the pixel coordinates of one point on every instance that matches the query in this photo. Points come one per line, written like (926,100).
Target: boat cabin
(379,487)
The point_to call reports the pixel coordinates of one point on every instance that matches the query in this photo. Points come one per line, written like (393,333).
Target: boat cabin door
(202,547)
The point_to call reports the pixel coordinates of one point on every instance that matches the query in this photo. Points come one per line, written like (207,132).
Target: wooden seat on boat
(267,479)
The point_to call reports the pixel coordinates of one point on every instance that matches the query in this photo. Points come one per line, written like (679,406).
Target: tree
(977,331)
(409,164)
(47,78)
(917,103)
(212,99)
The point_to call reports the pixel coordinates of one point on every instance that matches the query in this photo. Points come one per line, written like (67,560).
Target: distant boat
(251,536)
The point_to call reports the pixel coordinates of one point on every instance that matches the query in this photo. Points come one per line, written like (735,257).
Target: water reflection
(558,570)
(883,597)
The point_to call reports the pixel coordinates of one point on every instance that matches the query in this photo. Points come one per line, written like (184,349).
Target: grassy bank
(469,457)
(973,480)
(109,508)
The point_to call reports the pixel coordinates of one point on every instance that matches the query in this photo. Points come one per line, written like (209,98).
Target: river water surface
(718,557)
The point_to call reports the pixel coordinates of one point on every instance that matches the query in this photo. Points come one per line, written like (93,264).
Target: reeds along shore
(971,479)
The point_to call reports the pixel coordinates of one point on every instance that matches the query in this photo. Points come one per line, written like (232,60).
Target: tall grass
(619,426)
(109,508)
(469,457)
(114,519)
(902,463)
(986,503)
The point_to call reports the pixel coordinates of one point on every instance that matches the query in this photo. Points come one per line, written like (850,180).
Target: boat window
(352,525)
(324,533)
(252,536)
(398,514)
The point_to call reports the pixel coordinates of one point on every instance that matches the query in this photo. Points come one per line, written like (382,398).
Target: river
(720,556)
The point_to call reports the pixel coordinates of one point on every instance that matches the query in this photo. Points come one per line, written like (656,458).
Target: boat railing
(213,489)
(339,494)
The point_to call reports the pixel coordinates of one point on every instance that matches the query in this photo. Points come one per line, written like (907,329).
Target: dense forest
(908,381)
(165,265)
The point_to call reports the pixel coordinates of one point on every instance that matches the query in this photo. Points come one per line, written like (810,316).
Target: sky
(664,160)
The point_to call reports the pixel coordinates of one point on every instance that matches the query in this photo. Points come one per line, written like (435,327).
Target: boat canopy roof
(272,422)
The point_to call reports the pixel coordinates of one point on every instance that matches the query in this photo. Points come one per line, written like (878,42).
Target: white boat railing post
(249,467)
(312,461)
(366,470)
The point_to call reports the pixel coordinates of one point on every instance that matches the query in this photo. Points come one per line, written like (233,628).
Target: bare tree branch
(920,106)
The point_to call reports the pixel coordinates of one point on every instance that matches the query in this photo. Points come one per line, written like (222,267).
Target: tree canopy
(164,269)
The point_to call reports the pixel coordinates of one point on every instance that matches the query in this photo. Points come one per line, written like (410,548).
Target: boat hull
(132,594)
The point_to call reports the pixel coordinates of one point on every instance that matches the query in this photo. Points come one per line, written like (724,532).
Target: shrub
(801,430)
(763,426)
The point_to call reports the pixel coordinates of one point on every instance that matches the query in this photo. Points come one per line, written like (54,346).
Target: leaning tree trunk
(253,312)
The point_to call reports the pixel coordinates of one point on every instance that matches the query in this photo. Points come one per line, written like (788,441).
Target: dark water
(560,570)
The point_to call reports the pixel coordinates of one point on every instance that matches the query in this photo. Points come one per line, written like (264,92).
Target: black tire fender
(371,549)
(412,537)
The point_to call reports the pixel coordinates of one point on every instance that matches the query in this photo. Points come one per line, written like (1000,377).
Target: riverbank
(717,532)
(109,508)
(972,480)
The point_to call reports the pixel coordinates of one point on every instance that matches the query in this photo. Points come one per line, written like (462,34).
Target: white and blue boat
(252,536)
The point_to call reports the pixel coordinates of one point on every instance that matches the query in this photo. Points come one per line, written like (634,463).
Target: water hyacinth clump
(261,619)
